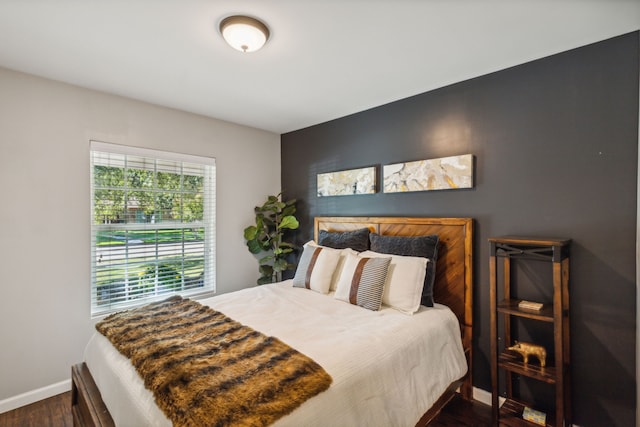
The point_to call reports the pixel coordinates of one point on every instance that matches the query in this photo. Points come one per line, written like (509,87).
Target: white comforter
(388,368)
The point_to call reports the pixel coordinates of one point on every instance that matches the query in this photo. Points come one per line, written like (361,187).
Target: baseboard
(34,395)
(482,396)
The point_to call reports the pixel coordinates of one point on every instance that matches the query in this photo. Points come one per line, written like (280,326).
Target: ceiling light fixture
(244,33)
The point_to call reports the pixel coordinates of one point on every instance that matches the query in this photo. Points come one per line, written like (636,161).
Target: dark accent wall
(556,154)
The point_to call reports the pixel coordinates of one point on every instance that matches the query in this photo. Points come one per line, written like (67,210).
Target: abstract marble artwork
(348,182)
(424,175)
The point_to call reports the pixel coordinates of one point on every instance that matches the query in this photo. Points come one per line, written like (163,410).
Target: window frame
(156,287)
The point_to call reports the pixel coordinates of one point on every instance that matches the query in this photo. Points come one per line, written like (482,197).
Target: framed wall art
(445,173)
(347,182)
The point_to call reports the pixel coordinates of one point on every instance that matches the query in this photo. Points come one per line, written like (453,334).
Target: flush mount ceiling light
(244,33)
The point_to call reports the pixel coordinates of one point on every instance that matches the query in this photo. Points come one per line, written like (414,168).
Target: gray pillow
(358,240)
(422,246)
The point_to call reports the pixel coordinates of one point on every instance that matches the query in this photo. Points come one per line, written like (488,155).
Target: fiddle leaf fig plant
(273,218)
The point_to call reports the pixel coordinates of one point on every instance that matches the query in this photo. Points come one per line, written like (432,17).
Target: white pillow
(338,270)
(362,281)
(405,281)
(315,268)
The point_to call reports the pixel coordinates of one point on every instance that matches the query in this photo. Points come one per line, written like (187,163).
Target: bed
(368,388)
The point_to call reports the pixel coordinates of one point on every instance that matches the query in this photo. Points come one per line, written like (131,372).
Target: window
(152,226)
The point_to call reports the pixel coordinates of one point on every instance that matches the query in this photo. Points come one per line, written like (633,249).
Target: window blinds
(153,226)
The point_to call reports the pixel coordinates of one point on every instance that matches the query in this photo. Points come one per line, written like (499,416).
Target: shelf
(514,363)
(530,241)
(511,307)
(530,248)
(511,415)
(509,256)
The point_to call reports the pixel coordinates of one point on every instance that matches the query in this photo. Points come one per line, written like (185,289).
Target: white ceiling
(325,59)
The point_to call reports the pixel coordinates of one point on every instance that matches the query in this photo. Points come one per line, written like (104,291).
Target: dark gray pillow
(422,246)
(358,240)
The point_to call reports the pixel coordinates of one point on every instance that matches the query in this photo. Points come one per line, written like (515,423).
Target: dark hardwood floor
(56,412)
(52,412)
(462,413)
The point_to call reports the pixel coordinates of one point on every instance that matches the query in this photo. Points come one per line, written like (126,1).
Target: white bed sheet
(388,368)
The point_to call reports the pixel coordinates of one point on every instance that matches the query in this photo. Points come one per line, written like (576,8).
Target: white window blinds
(153,226)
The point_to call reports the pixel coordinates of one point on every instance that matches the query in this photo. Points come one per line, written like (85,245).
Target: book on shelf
(534,416)
(530,305)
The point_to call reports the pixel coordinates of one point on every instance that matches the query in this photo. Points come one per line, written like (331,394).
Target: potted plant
(273,218)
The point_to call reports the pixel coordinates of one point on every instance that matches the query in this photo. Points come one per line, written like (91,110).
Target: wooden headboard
(453,283)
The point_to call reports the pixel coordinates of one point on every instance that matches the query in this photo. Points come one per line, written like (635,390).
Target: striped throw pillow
(342,253)
(316,268)
(362,281)
(405,280)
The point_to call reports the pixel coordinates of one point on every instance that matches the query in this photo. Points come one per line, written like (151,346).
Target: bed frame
(453,287)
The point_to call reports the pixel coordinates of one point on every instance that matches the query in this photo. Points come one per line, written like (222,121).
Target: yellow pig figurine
(527,349)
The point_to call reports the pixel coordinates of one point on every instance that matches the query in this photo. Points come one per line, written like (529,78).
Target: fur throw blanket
(206,369)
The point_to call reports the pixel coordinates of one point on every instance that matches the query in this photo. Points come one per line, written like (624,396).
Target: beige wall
(45,128)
